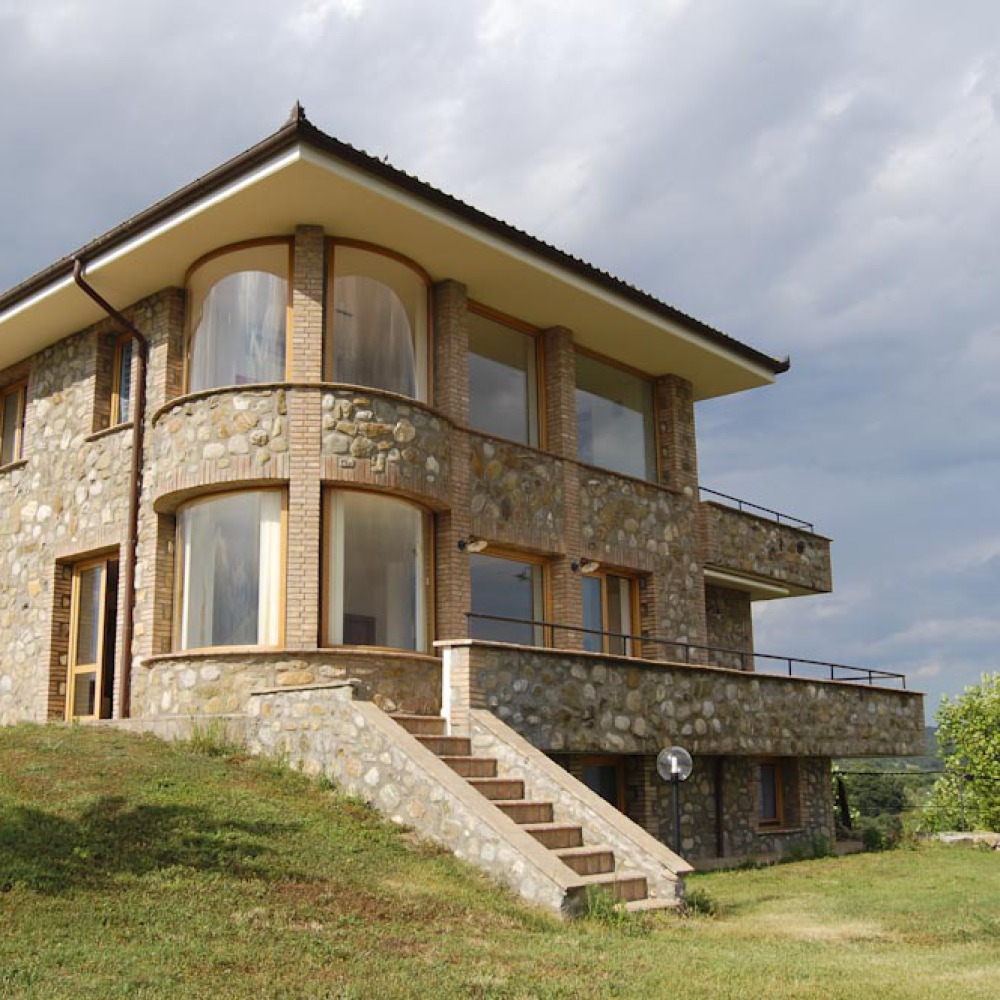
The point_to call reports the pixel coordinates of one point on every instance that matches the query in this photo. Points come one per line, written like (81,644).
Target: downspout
(134,485)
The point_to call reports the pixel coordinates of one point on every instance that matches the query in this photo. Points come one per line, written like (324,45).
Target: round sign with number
(674,764)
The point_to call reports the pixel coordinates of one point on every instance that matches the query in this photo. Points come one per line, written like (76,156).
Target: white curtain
(269,589)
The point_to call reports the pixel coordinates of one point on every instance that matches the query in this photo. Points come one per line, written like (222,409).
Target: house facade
(309,419)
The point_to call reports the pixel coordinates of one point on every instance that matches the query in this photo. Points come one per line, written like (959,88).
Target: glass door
(93,620)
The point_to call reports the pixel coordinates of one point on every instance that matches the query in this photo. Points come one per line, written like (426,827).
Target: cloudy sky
(818,178)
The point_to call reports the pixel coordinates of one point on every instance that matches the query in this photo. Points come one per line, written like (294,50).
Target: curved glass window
(376,323)
(375,589)
(239,316)
(229,561)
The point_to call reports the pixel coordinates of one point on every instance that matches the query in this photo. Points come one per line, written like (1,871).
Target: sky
(817,178)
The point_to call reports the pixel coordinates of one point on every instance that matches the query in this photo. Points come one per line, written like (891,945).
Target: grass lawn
(129,868)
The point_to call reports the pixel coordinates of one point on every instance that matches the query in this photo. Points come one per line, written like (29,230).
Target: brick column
(560,438)
(678,449)
(452,592)
(303,569)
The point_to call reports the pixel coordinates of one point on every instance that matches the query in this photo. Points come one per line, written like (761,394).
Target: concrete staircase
(594,863)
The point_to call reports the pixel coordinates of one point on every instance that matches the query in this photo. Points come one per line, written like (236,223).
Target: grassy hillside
(129,868)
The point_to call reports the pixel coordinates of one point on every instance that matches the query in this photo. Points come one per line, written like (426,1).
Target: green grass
(129,868)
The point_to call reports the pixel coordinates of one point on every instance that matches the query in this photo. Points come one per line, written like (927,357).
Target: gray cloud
(818,178)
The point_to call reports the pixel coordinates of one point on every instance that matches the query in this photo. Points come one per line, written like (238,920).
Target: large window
(503,385)
(375,579)
(239,317)
(376,322)
(12,405)
(508,598)
(230,568)
(609,614)
(614,419)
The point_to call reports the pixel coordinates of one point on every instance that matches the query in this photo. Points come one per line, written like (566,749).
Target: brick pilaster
(453,591)
(304,521)
(559,366)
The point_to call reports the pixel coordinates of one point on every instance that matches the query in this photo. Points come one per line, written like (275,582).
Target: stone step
(421,725)
(448,746)
(588,860)
(623,888)
(499,788)
(473,767)
(526,812)
(556,836)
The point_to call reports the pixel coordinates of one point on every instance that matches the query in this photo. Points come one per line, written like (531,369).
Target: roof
(298,134)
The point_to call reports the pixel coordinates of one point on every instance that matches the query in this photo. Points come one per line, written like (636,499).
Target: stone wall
(516,494)
(67,498)
(221,682)
(590,703)
(387,441)
(808,808)
(736,540)
(730,627)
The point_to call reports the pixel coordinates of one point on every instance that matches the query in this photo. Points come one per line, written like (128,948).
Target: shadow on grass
(52,854)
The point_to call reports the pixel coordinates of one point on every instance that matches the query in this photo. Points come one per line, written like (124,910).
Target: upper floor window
(503,384)
(376,323)
(614,419)
(13,399)
(229,551)
(121,389)
(239,317)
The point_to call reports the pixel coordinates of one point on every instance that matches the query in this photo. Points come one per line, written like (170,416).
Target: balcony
(564,700)
(769,553)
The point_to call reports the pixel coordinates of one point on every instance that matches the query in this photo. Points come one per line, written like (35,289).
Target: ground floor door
(93,623)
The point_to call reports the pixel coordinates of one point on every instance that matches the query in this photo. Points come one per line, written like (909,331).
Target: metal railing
(539,632)
(775,515)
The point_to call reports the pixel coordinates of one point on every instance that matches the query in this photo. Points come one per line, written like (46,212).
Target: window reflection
(375,571)
(614,419)
(230,553)
(376,323)
(239,312)
(506,588)
(503,387)
(608,614)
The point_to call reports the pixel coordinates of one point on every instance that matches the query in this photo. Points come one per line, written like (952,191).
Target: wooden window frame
(116,419)
(77,569)
(655,475)
(520,326)
(179,571)
(21,388)
(617,761)
(224,251)
(635,622)
(329,275)
(428,583)
(778,821)
(518,555)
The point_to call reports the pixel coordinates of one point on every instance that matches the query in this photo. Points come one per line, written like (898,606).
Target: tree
(969,738)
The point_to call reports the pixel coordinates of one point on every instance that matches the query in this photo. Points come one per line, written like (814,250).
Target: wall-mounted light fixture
(472,544)
(584,566)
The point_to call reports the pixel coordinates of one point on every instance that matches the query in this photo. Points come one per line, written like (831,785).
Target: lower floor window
(778,795)
(375,580)
(230,563)
(508,600)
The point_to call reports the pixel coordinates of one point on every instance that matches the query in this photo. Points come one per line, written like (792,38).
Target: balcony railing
(756,508)
(689,652)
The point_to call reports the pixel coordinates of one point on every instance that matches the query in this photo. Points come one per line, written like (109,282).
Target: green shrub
(698,903)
